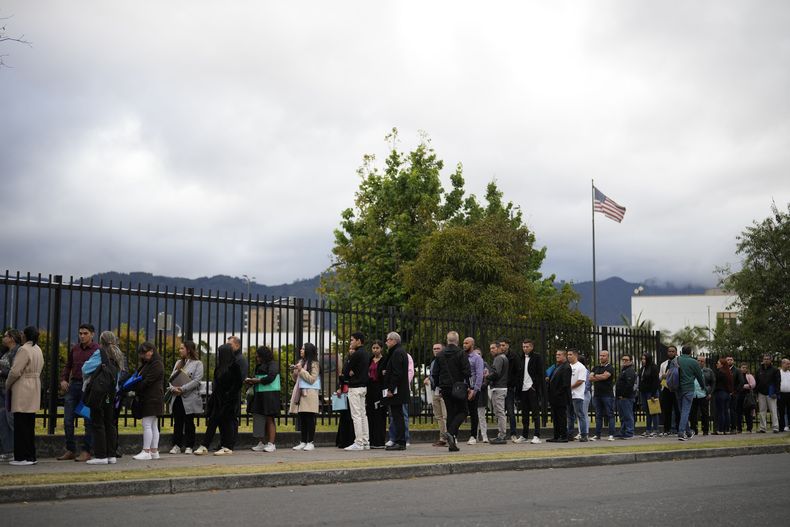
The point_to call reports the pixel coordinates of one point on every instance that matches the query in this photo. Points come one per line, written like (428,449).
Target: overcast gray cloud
(189,138)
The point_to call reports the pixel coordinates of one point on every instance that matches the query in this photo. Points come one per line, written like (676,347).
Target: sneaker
(98,461)
(68,455)
(366,446)
(652,435)
(645,434)
(142,456)
(83,457)
(577,437)
(485,439)
(112,460)
(610,438)
(259,447)
(175,450)
(389,443)
(683,438)
(595,438)
(188,450)
(269,447)
(513,438)
(472,441)
(408,444)
(5,457)
(520,439)
(452,443)
(201,451)
(583,439)
(787,429)
(155,455)
(23,463)
(691,434)
(309,446)
(354,446)
(499,441)
(536,440)
(300,446)
(224,452)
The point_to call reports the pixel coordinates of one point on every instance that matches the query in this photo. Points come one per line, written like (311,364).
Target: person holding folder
(186,401)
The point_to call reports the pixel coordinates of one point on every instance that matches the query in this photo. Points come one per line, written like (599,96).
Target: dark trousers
(471,407)
(722,400)
(307,426)
(782,406)
(700,411)
(377,423)
(24,436)
(733,411)
(227,433)
(530,405)
(456,412)
(559,416)
(669,407)
(744,413)
(105,435)
(398,423)
(183,426)
(510,408)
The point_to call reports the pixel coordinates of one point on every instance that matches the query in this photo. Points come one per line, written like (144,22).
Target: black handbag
(459,391)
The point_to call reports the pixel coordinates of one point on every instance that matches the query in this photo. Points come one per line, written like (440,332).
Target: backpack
(103,382)
(673,375)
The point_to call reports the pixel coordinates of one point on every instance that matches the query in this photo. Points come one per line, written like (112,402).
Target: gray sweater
(498,376)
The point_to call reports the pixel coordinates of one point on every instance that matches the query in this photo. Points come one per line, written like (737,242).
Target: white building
(674,312)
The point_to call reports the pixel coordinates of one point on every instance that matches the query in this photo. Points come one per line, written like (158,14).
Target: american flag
(608,207)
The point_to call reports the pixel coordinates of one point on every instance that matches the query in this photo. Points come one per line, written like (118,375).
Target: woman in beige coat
(23,387)
(304,401)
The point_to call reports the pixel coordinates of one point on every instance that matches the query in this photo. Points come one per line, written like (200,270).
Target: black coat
(536,369)
(452,365)
(515,368)
(151,389)
(560,385)
(225,392)
(397,376)
(648,379)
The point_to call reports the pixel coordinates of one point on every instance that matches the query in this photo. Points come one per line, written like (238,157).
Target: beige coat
(24,379)
(308,399)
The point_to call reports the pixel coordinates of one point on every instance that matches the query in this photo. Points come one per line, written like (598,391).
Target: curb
(149,487)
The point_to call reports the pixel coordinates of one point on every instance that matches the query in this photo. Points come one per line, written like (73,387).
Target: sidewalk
(51,479)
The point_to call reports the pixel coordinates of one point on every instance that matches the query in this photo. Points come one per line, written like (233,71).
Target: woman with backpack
(186,401)
(106,360)
(151,394)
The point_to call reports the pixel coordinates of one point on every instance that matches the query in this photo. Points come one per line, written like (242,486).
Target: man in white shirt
(784,396)
(578,378)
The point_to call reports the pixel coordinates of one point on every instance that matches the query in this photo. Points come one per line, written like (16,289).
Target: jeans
(625,407)
(581,415)
(722,411)
(6,428)
(510,408)
(398,424)
(70,402)
(651,420)
(685,399)
(392,433)
(604,407)
(356,404)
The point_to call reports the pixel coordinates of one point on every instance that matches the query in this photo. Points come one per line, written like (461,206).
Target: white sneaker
(155,455)
(408,444)
(578,436)
(520,439)
(610,438)
(485,439)
(389,443)
(366,446)
(23,463)
(175,450)
(472,441)
(513,438)
(309,446)
(112,460)
(188,450)
(98,461)
(142,456)
(223,452)
(353,446)
(536,440)
(300,446)
(201,451)
(259,447)
(269,447)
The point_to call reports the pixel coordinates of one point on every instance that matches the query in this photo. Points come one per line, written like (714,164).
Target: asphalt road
(743,491)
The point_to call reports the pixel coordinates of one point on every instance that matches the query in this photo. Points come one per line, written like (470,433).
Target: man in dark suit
(396,379)
(530,385)
(560,397)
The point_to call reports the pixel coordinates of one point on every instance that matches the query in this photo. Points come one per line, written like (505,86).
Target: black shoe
(552,440)
(452,442)
(583,439)
(395,447)
(498,441)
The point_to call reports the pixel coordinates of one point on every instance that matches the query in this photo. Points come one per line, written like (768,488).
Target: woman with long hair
(151,393)
(376,410)
(304,400)
(345,426)
(105,433)
(24,387)
(648,389)
(266,399)
(186,402)
(222,404)
(724,389)
(747,400)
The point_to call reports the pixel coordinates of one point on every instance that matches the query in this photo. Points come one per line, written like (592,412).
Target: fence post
(391,315)
(54,358)
(544,400)
(604,337)
(299,324)
(190,313)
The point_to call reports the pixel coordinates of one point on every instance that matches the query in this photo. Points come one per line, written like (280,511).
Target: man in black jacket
(624,389)
(530,386)
(452,366)
(355,374)
(515,363)
(560,397)
(396,379)
(769,382)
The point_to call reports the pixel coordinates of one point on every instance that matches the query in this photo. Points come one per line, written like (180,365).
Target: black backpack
(103,382)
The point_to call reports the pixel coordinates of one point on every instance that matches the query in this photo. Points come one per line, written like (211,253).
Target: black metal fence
(167,317)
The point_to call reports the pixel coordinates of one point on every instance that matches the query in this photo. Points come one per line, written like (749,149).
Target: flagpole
(595,291)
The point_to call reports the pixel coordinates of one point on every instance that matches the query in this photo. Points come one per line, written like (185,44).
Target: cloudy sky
(199,138)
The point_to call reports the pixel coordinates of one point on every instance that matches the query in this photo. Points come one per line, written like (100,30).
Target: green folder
(273,386)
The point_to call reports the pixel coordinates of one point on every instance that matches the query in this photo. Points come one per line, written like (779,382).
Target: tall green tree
(762,285)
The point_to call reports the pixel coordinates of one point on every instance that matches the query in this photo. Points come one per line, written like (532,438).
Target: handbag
(459,390)
(339,402)
(137,407)
(748,400)
(273,386)
(653,406)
